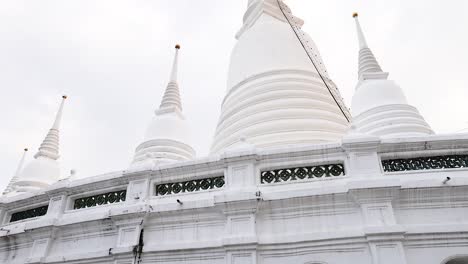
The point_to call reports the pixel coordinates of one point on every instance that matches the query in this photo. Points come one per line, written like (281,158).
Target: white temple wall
(300,216)
(84,238)
(287,223)
(209,256)
(318,255)
(366,215)
(432,253)
(12,250)
(438,206)
(184,230)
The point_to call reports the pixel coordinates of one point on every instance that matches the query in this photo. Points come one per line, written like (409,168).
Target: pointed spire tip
(171,96)
(367,62)
(50,146)
(355,14)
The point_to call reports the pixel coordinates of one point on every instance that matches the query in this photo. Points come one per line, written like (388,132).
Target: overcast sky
(112,58)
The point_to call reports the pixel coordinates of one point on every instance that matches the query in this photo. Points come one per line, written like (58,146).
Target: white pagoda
(292,176)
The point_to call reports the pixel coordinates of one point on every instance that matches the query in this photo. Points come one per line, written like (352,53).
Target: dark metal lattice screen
(100,199)
(31,213)
(190,186)
(426,163)
(302,173)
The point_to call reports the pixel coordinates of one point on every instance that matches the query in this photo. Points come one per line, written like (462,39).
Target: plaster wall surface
(364,215)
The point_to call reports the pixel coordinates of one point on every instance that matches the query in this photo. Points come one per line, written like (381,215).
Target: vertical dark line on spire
(313,63)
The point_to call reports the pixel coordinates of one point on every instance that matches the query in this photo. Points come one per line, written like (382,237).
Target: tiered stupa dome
(275,96)
(167,138)
(379,106)
(44,170)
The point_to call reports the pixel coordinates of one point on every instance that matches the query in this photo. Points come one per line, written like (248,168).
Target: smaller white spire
(167,138)
(369,68)
(171,99)
(44,170)
(10,186)
(50,146)
(175,64)
(361,37)
(379,106)
(58,117)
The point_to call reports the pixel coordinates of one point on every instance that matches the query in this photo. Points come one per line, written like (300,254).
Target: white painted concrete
(276,115)
(367,215)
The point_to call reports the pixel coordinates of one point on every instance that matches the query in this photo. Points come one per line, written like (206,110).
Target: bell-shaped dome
(170,126)
(375,93)
(379,108)
(275,96)
(39,173)
(167,140)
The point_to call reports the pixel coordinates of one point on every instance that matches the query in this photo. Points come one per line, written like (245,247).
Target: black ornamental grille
(100,199)
(426,163)
(302,173)
(31,213)
(190,186)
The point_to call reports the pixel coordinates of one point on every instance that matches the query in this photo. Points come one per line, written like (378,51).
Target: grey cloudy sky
(113,57)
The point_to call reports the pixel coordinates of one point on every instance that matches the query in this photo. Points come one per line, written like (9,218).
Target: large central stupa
(275,96)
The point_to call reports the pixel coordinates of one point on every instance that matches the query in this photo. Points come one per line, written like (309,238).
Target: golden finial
(355,14)
(177,46)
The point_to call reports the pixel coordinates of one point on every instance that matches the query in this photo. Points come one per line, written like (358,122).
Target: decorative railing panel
(31,213)
(302,173)
(190,186)
(426,163)
(100,199)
